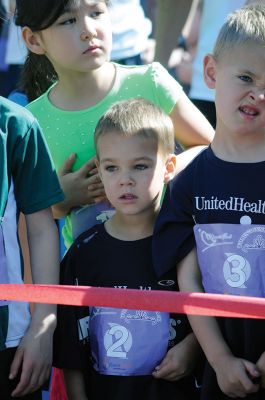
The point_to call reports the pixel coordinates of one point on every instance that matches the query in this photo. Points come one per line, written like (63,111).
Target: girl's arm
(192,129)
(233,374)
(74,383)
(191,126)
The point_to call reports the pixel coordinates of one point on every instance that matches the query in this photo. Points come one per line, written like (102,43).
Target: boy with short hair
(220,198)
(28,184)
(119,353)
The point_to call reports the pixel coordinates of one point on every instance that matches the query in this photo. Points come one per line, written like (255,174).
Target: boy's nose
(126,180)
(258,95)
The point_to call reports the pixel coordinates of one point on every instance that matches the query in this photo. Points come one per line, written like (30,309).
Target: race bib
(232,258)
(127,342)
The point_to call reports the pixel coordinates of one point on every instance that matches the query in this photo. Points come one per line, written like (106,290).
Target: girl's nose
(88,32)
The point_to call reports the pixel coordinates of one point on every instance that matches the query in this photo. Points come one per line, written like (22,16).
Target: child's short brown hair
(245,25)
(138,116)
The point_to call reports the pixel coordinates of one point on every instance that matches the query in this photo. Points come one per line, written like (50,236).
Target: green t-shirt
(28,183)
(73,131)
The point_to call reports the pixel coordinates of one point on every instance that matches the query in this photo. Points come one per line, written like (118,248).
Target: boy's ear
(32,41)
(209,68)
(171,166)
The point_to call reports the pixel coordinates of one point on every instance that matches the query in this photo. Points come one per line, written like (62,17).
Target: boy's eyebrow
(246,71)
(143,158)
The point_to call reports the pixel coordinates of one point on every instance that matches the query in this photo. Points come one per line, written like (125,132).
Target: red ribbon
(153,300)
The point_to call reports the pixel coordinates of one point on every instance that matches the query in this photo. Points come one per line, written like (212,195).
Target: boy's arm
(233,374)
(179,361)
(34,354)
(75,386)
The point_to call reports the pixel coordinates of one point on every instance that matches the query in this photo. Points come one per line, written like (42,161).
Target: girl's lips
(90,49)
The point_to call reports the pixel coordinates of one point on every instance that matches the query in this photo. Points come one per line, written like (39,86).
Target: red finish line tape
(154,300)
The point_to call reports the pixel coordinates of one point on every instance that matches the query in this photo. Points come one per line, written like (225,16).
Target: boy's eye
(140,167)
(111,168)
(245,78)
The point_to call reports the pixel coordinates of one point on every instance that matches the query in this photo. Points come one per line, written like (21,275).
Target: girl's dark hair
(38,73)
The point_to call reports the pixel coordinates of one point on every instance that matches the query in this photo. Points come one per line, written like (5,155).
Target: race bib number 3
(232,258)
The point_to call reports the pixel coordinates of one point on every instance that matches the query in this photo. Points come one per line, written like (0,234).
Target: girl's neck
(75,92)
(130,227)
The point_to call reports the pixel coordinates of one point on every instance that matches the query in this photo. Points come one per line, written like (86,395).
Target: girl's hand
(81,187)
(179,361)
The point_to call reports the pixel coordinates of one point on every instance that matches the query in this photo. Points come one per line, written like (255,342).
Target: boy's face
(239,80)
(133,172)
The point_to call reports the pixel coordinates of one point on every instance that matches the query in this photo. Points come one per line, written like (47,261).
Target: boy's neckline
(227,163)
(122,234)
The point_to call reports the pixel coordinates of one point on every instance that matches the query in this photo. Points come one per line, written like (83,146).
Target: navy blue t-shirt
(98,259)
(208,191)
(223,203)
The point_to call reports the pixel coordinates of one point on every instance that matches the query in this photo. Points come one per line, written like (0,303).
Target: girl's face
(79,40)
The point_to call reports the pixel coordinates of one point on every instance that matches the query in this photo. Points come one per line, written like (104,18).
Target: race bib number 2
(127,342)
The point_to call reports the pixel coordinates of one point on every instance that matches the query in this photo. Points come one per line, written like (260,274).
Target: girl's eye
(245,78)
(96,14)
(140,167)
(68,21)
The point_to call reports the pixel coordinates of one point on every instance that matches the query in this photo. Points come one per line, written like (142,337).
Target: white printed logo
(236,270)
(252,239)
(117,341)
(211,240)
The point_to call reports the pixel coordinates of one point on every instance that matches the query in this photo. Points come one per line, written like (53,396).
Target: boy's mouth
(127,196)
(247,110)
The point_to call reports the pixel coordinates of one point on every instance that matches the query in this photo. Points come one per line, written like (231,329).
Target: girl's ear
(171,166)
(209,68)
(32,41)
